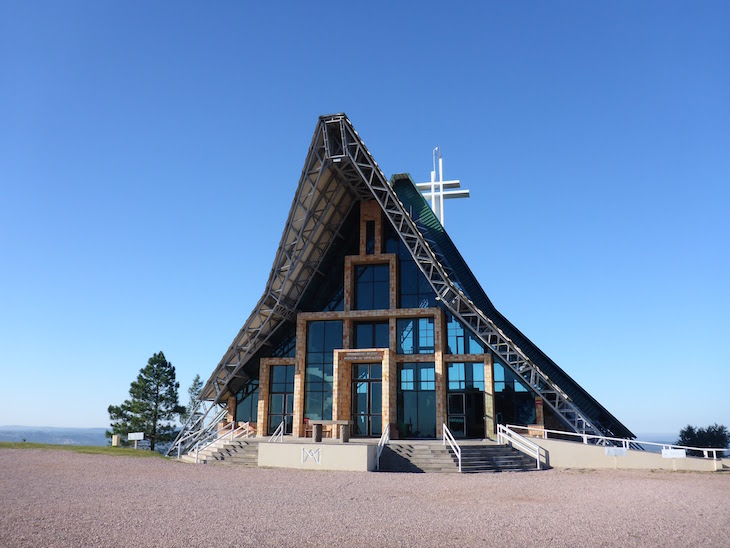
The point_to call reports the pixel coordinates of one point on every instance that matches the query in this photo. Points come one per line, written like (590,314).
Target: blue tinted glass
(498,372)
(425,336)
(381,273)
(369,237)
(332,335)
(364,274)
(381,296)
(382,335)
(478,372)
(363,335)
(315,336)
(405,336)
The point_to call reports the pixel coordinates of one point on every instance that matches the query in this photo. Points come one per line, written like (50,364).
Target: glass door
(367,399)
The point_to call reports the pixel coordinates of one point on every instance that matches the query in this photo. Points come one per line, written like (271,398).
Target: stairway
(238,451)
(435,457)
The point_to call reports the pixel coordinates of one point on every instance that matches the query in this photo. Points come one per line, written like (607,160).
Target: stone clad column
(389,385)
(489,412)
(299,370)
(440,371)
(262,415)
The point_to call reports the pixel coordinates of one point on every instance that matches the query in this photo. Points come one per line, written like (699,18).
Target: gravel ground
(59,498)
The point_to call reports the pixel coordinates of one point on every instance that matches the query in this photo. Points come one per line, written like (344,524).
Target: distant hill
(58,436)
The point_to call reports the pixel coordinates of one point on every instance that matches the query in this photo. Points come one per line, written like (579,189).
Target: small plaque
(674,453)
(134,436)
(616,451)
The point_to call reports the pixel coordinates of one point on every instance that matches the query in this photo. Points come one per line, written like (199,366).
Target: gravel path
(59,498)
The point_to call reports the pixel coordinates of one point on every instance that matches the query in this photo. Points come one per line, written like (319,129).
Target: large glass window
(247,402)
(372,287)
(415,336)
(414,291)
(417,400)
(514,402)
(367,399)
(323,337)
(369,237)
(459,339)
(465,399)
(281,397)
(372,335)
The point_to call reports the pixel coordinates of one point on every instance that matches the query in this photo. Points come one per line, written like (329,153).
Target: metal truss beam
(344,146)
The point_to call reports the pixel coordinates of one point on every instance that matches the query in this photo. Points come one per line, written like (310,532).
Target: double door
(466,414)
(367,400)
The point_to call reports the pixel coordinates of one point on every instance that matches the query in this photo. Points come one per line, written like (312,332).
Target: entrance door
(466,414)
(367,398)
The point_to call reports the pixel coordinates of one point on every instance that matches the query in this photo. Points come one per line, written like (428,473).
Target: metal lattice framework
(357,164)
(339,171)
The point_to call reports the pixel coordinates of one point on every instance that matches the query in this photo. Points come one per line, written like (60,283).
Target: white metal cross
(435,191)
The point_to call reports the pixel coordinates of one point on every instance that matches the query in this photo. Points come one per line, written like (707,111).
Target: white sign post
(135,436)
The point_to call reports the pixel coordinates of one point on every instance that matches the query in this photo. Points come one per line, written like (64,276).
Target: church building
(371,315)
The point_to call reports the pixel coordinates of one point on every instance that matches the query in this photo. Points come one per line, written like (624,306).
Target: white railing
(201,433)
(384,440)
(447,436)
(278,433)
(625,442)
(506,435)
(227,432)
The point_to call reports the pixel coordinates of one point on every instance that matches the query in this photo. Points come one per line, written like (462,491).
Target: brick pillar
(299,370)
(393,268)
(370,211)
(231,409)
(390,375)
(349,289)
(346,333)
(440,371)
(489,412)
(262,415)
(341,387)
(539,414)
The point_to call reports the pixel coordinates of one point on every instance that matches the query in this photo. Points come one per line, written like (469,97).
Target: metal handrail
(446,435)
(384,440)
(519,442)
(194,434)
(278,433)
(219,435)
(625,442)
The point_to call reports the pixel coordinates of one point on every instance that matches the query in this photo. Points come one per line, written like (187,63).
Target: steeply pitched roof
(339,172)
(438,237)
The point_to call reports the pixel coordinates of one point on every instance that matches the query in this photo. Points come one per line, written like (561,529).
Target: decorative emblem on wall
(314,454)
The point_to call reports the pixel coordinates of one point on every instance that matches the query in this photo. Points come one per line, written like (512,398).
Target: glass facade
(459,340)
(414,291)
(415,336)
(247,402)
(367,399)
(370,237)
(371,335)
(465,399)
(417,400)
(372,287)
(323,337)
(514,402)
(281,397)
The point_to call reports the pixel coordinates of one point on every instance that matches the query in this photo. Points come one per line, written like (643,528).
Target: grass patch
(85,449)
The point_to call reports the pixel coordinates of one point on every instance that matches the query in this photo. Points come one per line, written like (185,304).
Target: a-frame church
(371,316)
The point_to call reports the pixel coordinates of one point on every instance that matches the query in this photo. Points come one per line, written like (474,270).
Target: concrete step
(434,457)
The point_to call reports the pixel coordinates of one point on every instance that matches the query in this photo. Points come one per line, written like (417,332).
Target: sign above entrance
(352,355)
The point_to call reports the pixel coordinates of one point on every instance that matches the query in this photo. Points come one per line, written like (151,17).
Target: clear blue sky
(149,153)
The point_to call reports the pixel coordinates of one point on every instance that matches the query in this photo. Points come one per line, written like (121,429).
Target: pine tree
(152,405)
(193,394)
(716,435)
